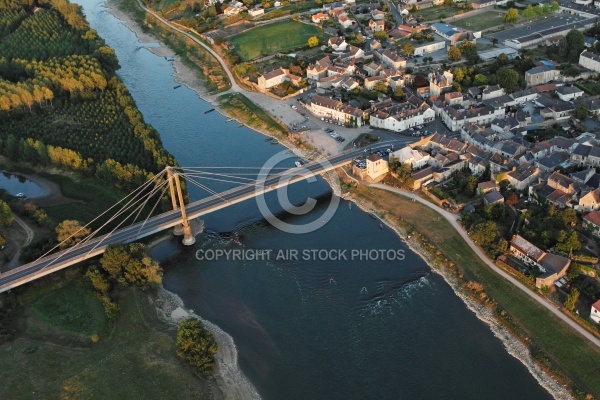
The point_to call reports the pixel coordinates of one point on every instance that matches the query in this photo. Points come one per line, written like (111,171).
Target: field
(436,13)
(273,38)
(54,357)
(481,21)
(569,350)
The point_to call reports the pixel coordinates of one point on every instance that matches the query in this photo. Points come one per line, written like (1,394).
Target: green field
(481,21)
(436,13)
(53,356)
(273,38)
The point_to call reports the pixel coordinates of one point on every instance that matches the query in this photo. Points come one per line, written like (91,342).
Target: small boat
(372,215)
(298,164)
(229,120)
(240,125)
(176,87)
(208,111)
(274,141)
(381,225)
(268,139)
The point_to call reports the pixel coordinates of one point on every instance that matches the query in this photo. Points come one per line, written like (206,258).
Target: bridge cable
(135,193)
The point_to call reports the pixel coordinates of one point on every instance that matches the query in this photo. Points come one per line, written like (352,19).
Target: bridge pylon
(178,204)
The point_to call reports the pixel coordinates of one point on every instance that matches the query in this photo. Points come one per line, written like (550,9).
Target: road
(28,238)
(453,220)
(234,86)
(94,247)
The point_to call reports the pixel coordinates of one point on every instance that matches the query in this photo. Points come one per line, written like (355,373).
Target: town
(500,97)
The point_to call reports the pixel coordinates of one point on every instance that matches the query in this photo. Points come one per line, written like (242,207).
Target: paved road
(453,220)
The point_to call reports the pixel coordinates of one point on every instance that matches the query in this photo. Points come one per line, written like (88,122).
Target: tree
(454,53)
(70,232)
(512,199)
(381,87)
(399,94)
(197,346)
(554,6)
(581,111)
(485,234)
(6,215)
(467,48)
(408,49)
(569,217)
(568,242)
(576,43)
(313,41)
(480,79)
(471,185)
(572,299)
(529,12)
(218,40)
(131,264)
(508,78)
(511,16)
(502,59)
(382,36)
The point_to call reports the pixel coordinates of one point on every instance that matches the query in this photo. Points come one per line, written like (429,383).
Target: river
(316,328)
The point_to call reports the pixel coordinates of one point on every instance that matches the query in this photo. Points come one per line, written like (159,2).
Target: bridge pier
(177,229)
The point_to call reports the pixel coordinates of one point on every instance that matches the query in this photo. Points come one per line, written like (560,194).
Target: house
(398,117)
(525,95)
(595,312)
(452,33)
(256,11)
(377,167)
(440,82)
(335,110)
(552,266)
(592,222)
(337,43)
(486,187)
(580,153)
(416,158)
(392,59)
(477,4)
(319,17)
(493,197)
(491,92)
(318,70)
(590,61)
(590,201)
(567,93)
(345,22)
(520,177)
(558,111)
(377,15)
(272,78)
(229,11)
(421,177)
(376,26)
(540,75)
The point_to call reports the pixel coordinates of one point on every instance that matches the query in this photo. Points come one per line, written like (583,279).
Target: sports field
(481,21)
(278,37)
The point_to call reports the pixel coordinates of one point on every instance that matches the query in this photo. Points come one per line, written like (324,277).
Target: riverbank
(513,345)
(232,383)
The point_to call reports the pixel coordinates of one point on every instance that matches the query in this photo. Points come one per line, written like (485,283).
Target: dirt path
(14,261)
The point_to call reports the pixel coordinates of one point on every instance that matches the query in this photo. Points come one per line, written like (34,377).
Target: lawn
(436,13)
(273,38)
(481,21)
(54,357)
(571,352)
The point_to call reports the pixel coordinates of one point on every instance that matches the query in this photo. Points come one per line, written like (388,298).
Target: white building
(590,61)
(416,158)
(595,312)
(568,93)
(429,47)
(401,116)
(335,110)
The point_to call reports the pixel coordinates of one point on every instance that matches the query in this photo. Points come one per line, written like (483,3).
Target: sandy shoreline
(230,378)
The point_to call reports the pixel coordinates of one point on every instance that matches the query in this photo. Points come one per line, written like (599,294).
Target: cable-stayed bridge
(132,206)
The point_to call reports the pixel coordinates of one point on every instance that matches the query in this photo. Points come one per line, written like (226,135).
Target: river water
(317,328)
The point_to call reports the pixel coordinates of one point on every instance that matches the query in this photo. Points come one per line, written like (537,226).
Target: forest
(61,102)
